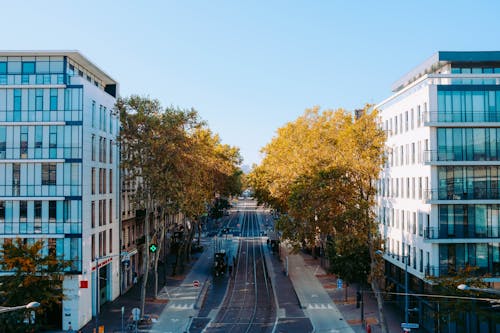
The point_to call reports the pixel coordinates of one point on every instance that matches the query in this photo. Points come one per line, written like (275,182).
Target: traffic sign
(196,283)
(339,283)
(409,325)
(153,248)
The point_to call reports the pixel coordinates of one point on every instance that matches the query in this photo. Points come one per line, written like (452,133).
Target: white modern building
(439,192)
(59,169)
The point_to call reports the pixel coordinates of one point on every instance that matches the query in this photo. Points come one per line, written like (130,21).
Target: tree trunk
(380,305)
(145,256)
(160,246)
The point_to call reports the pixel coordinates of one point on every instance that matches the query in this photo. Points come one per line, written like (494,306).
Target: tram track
(247,307)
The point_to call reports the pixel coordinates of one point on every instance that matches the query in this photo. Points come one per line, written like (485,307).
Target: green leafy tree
(36,276)
(456,310)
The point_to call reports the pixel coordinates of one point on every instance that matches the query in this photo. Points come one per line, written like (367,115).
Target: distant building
(59,169)
(439,193)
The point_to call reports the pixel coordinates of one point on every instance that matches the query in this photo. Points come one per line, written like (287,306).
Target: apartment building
(439,192)
(59,170)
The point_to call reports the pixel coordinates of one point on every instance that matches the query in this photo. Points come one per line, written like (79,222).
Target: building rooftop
(73,54)
(441,58)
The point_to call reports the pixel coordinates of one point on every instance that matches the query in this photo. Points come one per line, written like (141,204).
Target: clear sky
(249,67)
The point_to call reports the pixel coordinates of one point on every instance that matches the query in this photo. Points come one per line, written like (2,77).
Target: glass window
(110,211)
(93,114)
(23,211)
(110,151)
(23,141)
(2,211)
(93,147)
(93,181)
(17,104)
(52,211)
(38,210)
(53,99)
(49,174)
(28,67)
(39,100)
(3,67)
(3,142)
(110,181)
(53,142)
(92,214)
(110,240)
(92,244)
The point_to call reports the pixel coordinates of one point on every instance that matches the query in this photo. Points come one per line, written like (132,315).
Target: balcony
(464,231)
(40,190)
(453,269)
(444,156)
(462,118)
(467,193)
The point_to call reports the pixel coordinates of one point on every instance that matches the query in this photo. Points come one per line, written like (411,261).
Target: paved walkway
(318,305)
(345,301)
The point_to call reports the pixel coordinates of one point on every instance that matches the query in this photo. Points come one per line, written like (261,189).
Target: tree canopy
(178,164)
(319,171)
(36,277)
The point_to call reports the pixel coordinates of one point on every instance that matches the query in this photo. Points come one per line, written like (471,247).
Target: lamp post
(30,305)
(406,259)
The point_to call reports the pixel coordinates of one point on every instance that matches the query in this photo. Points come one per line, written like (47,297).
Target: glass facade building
(439,192)
(52,106)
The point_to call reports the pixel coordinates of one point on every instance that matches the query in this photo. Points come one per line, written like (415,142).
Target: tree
(37,275)
(457,310)
(320,170)
(179,166)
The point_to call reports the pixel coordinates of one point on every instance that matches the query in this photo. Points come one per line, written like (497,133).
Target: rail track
(248,306)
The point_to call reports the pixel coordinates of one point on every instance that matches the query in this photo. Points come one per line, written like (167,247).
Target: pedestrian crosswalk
(319,306)
(180,306)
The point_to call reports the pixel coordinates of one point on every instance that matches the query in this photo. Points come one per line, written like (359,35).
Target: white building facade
(59,169)
(439,192)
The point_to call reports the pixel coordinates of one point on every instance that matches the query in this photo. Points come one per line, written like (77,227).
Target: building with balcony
(439,192)
(59,170)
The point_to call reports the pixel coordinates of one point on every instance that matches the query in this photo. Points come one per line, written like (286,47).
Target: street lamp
(30,305)
(406,259)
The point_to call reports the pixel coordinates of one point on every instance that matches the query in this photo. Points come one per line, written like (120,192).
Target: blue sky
(249,67)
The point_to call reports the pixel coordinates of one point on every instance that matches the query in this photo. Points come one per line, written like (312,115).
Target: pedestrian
(70,329)
(368,328)
(134,278)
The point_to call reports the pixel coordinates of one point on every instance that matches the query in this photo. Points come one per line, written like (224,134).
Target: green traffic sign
(153,248)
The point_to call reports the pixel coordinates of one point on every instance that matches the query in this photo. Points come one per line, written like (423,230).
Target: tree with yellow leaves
(320,170)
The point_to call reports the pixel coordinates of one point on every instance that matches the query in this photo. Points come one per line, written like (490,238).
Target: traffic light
(358,299)
(153,248)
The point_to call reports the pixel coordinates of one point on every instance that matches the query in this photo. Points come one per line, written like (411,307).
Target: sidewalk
(347,305)
(110,315)
(321,310)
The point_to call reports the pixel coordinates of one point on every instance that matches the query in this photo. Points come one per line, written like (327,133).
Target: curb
(202,295)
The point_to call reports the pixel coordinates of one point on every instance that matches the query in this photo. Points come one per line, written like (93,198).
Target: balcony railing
(468,193)
(39,190)
(449,155)
(470,231)
(31,153)
(31,79)
(453,269)
(461,116)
